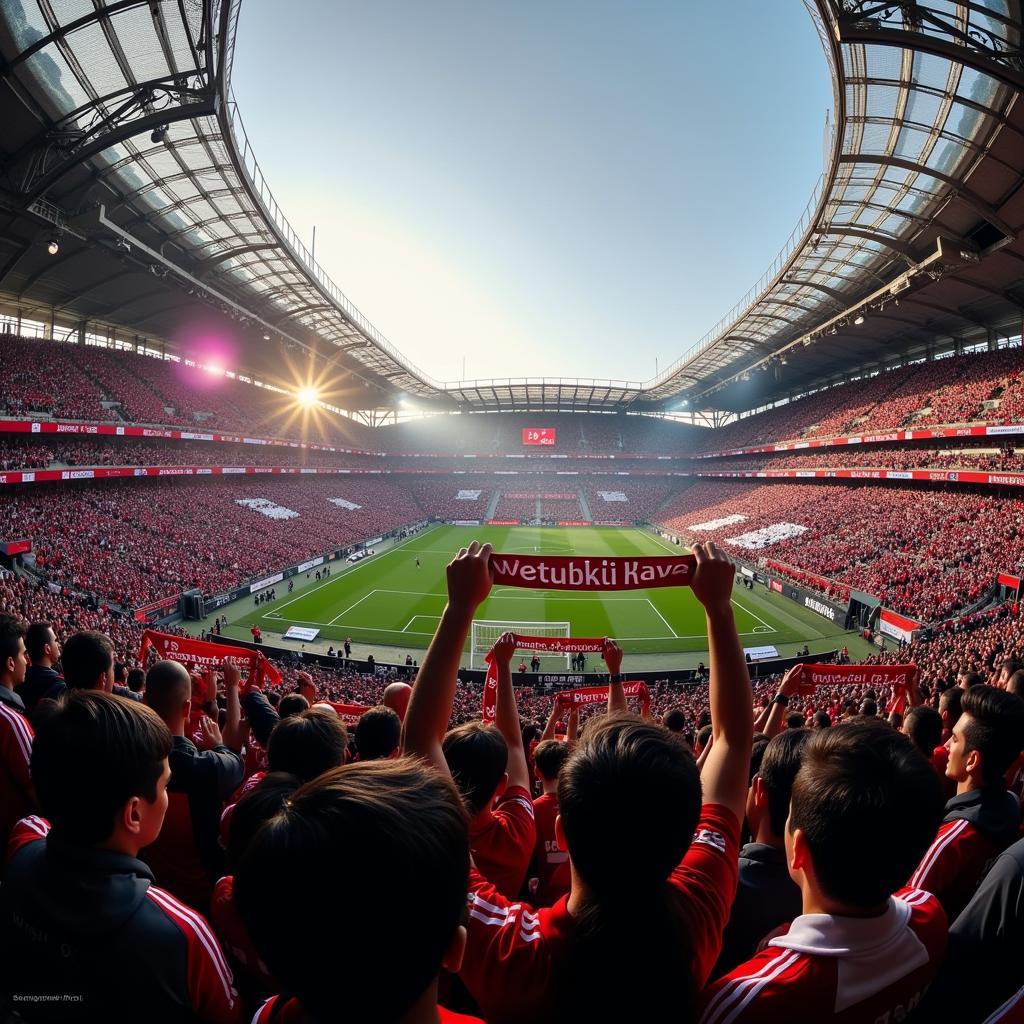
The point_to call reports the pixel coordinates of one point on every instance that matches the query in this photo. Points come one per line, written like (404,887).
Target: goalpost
(486,631)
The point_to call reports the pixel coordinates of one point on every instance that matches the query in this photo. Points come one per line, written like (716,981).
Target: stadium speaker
(193,605)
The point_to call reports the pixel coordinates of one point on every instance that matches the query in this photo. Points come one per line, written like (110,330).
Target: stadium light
(266,337)
(159,133)
(54,247)
(307,396)
(859,319)
(684,404)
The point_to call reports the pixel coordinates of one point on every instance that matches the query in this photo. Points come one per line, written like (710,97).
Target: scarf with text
(205,655)
(349,713)
(585,695)
(900,677)
(554,644)
(572,572)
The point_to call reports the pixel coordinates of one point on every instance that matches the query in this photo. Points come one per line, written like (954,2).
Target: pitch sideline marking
(351,606)
(662,617)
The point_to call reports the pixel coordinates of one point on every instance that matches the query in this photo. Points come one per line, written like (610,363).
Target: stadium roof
(123,142)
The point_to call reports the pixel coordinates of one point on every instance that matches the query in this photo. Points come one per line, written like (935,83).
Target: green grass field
(387,601)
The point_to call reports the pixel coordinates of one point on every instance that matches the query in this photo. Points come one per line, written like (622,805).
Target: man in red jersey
(983,818)
(863,807)
(16,734)
(653,871)
(550,861)
(488,764)
(347,949)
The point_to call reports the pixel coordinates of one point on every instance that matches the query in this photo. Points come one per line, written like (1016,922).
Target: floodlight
(859,319)
(54,247)
(159,134)
(307,396)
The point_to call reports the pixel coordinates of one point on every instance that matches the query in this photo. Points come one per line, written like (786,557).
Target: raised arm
(549,729)
(430,706)
(573,728)
(612,654)
(725,774)
(234,733)
(771,719)
(506,715)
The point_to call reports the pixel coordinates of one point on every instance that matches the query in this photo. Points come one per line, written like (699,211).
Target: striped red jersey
(825,968)
(503,845)
(550,863)
(513,951)
(16,738)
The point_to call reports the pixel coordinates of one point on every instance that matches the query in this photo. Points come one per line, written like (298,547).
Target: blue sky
(566,188)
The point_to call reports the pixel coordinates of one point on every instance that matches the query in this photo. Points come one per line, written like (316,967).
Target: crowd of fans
(920,551)
(988,458)
(186,844)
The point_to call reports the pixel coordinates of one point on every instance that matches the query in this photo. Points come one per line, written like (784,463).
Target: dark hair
(260,804)
(11,631)
(868,805)
(703,736)
(136,680)
(674,720)
(274,698)
(398,821)
(629,796)
(168,686)
(951,701)
(477,756)
(869,708)
(36,639)
(782,758)
(996,728)
(549,756)
(923,724)
(87,655)
(378,733)
(92,754)
(120,672)
(971,679)
(1015,684)
(292,704)
(307,745)
(796,720)
(822,720)
(756,754)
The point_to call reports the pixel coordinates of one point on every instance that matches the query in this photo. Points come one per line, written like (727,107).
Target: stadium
(804,537)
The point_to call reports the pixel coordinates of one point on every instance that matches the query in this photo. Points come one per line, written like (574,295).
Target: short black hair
(307,745)
(951,701)
(782,758)
(822,720)
(1015,684)
(796,720)
(93,752)
(674,720)
(36,638)
(971,679)
(260,804)
(292,704)
(397,821)
(477,757)
(704,736)
(87,655)
(12,630)
(923,724)
(378,733)
(549,757)
(868,805)
(995,730)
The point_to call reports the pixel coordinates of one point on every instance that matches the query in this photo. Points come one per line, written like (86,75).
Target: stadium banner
(311,564)
(900,677)
(156,610)
(544,436)
(1004,579)
(610,522)
(761,653)
(301,633)
(899,627)
(465,522)
(204,654)
(15,547)
(552,644)
(575,522)
(775,585)
(267,581)
(546,495)
(502,522)
(569,572)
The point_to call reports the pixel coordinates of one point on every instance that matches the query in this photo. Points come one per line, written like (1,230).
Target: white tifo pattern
(486,631)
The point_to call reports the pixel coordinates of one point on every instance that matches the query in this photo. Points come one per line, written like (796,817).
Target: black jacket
(86,936)
(40,682)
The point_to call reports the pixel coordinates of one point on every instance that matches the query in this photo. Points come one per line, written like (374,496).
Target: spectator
(378,734)
(79,913)
(16,736)
(41,679)
(396,697)
(550,861)
(395,820)
(983,818)
(187,857)
(88,662)
(864,805)
(767,896)
(308,744)
(923,725)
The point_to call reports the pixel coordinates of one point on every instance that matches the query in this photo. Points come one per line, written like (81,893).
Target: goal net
(486,631)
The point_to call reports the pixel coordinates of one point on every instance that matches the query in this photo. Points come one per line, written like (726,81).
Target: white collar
(832,935)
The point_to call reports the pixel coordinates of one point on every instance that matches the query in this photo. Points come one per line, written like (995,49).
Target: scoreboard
(539,435)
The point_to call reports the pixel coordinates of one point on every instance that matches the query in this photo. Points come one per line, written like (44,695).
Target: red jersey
(512,950)
(252,975)
(274,1011)
(503,845)
(225,817)
(550,863)
(849,969)
(16,737)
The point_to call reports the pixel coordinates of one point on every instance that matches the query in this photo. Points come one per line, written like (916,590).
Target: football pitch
(387,601)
